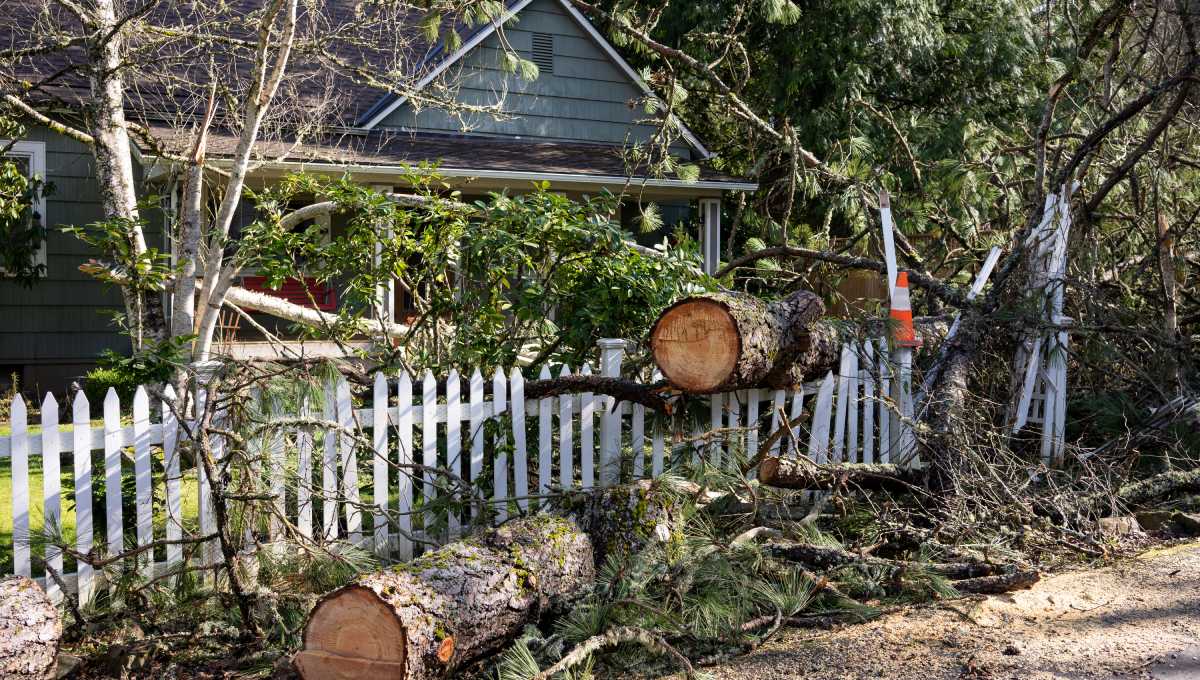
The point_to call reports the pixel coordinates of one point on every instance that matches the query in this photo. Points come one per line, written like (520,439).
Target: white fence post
(52,489)
(81,450)
(612,353)
(20,488)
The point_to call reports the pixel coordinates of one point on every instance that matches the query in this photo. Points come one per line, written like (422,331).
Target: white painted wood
(379,465)
(889,241)
(656,443)
(716,420)
(170,444)
(329,475)
(736,440)
(275,473)
(843,396)
(404,461)
(637,441)
(885,407)
(612,353)
(52,491)
(852,407)
(304,473)
(141,476)
(520,460)
(1059,362)
(906,440)
(429,448)
(349,463)
(566,446)
(18,417)
(1028,385)
(867,378)
(475,410)
(794,417)
(753,397)
(587,411)
(454,443)
(112,473)
(499,446)
(818,442)
(82,453)
(777,405)
(545,444)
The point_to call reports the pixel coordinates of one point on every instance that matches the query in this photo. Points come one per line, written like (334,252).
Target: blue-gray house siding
(586,97)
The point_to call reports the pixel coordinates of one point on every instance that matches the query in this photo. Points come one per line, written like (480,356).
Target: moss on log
(797,473)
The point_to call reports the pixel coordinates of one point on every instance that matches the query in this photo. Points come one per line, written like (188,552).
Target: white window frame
(36,153)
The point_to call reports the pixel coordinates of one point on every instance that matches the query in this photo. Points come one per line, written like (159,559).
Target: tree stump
(721,342)
(29,630)
(428,617)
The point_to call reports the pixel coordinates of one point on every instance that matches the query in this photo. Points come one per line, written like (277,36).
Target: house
(568,126)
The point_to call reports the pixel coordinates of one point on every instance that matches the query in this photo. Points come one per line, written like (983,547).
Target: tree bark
(429,617)
(29,630)
(624,519)
(721,342)
(796,473)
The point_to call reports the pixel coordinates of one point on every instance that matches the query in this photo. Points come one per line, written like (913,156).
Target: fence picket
(656,443)
(716,417)
(112,473)
(868,401)
(379,464)
(520,459)
(752,398)
(587,411)
(545,447)
(475,410)
(329,483)
(454,443)
(304,473)
(142,479)
(818,442)
(404,459)
(843,390)
(566,444)
(794,417)
(637,440)
(777,404)
(275,456)
(885,396)
(170,444)
(81,451)
(52,490)
(500,456)
(852,404)
(428,449)
(20,486)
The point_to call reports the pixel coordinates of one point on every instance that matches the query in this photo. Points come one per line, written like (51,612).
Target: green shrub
(101,378)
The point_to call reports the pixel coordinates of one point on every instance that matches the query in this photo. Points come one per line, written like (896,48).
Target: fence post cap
(205,370)
(611,343)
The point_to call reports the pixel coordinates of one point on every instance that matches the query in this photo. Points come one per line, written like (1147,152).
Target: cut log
(797,473)
(624,519)
(721,342)
(29,630)
(426,618)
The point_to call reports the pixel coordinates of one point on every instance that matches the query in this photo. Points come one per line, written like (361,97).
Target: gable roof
(390,103)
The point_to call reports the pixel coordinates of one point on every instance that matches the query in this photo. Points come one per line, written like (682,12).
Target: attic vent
(543,52)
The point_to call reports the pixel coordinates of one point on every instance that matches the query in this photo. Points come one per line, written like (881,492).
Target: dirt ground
(1138,618)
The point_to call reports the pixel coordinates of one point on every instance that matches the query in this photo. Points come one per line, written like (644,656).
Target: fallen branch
(612,638)
(1002,583)
(800,473)
(651,396)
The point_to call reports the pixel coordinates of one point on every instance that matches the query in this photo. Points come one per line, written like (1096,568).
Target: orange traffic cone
(903,333)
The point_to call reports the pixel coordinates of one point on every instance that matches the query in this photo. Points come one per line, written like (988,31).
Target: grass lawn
(188,488)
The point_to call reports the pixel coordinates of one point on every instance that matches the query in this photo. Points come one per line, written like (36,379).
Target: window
(30,158)
(543,52)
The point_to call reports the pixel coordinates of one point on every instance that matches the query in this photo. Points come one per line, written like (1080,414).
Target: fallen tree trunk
(827,557)
(798,473)
(426,618)
(29,630)
(721,342)
(1003,583)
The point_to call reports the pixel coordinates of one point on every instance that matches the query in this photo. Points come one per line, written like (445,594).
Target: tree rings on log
(720,342)
(430,616)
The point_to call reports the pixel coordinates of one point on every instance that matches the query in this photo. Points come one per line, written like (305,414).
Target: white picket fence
(855,414)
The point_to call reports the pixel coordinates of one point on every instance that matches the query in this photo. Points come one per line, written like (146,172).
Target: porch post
(710,233)
(385,294)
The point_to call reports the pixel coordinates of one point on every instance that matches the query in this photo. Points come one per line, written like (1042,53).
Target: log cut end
(352,634)
(696,345)
(29,631)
